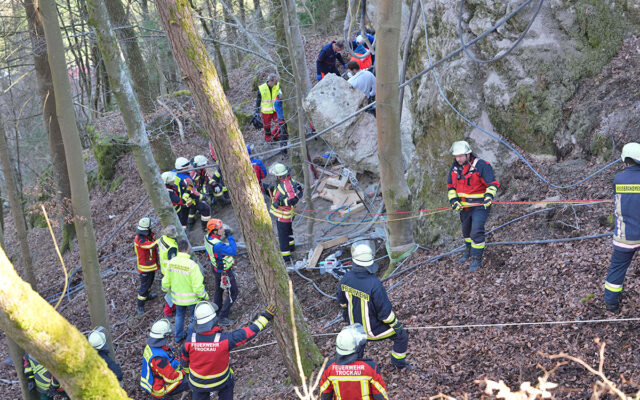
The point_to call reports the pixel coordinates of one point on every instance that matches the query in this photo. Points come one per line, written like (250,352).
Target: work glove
(257,111)
(319,77)
(345,315)
(456,205)
(487,201)
(398,328)
(205,297)
(270,312)
(228,232)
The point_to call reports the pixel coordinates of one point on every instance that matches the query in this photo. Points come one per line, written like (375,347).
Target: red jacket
(283,197)
(167,378)
(146,249)
(358,380)
(206,355)
(471,182)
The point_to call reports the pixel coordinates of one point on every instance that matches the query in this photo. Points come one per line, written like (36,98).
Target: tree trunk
(75,164)
(246,197)
(395,191)
(302,86)
(48,98)
(224,76)
(57,344)
(16,209)
(132,116)
(243,15)
(257,10)
(14,350)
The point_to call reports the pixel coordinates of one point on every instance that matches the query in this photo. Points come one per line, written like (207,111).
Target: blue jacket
(279,108)
(361,293)
(260,164)
(626,189)
(326,62)
(220,251)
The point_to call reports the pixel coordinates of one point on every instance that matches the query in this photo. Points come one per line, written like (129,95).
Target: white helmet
(168,177)
(359,39)
(204,312)
(459,148)
(632,151)
(279,170)
(160,329)
(144,224)
(200,161)
(97,339)
(362,254)
(182,163)
(350,339)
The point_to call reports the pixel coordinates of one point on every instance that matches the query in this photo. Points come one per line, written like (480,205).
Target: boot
(402,364)
(466,253)
(204,225)
(612,308)
(140,309)
(151,296)
(476,262)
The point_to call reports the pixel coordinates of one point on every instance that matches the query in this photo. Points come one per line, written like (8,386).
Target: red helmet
(214,224)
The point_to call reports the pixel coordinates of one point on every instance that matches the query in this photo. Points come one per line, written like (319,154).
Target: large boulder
(356,140)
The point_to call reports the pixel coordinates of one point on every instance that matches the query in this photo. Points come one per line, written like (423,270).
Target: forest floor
(518,284)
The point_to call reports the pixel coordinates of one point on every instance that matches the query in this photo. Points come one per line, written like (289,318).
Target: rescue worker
(177,195)
(40,378)
(626,235)
(167,249)
(284,196)
(185,282)
(364,300)
(198,202)
(221,194)
(221,256)
(161,373)
(98,340)
(258,167)
(265,106)
(205,355)
(326,61)
(282,123)
(360,48)
(350,376)
(362,80)
(471,188)
(146,249)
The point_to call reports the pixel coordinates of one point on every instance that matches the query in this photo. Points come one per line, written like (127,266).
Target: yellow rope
(55,244)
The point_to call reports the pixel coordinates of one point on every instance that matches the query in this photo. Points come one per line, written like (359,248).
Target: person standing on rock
(146,249)
(284,196)
(185,282)
(265,107)
(221,256)
(326,62)
(349,375)
(364,301)
(471,187)
(626,235)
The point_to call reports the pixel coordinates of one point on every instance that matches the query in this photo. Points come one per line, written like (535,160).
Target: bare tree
(225,135)
(395,191)
(130,110)
(75,164)
(57,344)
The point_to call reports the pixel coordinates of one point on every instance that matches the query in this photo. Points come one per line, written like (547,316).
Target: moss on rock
(107,150)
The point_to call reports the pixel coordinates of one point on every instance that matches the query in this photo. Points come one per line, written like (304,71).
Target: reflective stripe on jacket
(283,198)
(268,97)
(167,249)
(40,375)
(359,380)
(146,249)
(184,280)
(626,187)
(155,380)
(367,303)
(471,182)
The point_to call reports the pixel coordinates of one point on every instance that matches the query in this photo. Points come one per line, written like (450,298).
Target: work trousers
(285,239)
(400,345)
(225,392)
(183,215)
(232,293)
(473,220)
(146,280)
(182,387)
(205,213)
(620,261)
(180,317)
(271,133)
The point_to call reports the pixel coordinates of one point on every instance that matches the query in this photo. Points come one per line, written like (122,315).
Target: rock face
(355,141)
(523,96)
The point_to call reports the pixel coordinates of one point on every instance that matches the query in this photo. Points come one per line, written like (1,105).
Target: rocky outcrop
(523,96)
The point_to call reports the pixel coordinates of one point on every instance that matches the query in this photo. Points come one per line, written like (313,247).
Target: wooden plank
(315,257)
(334,242)
(317,252)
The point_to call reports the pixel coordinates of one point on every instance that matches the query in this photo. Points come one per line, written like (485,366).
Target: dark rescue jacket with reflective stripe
(359,380)
(626,187)
(471,181)
(146,252)
(367,303)
(206,355)
(284,196)
(39,374)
